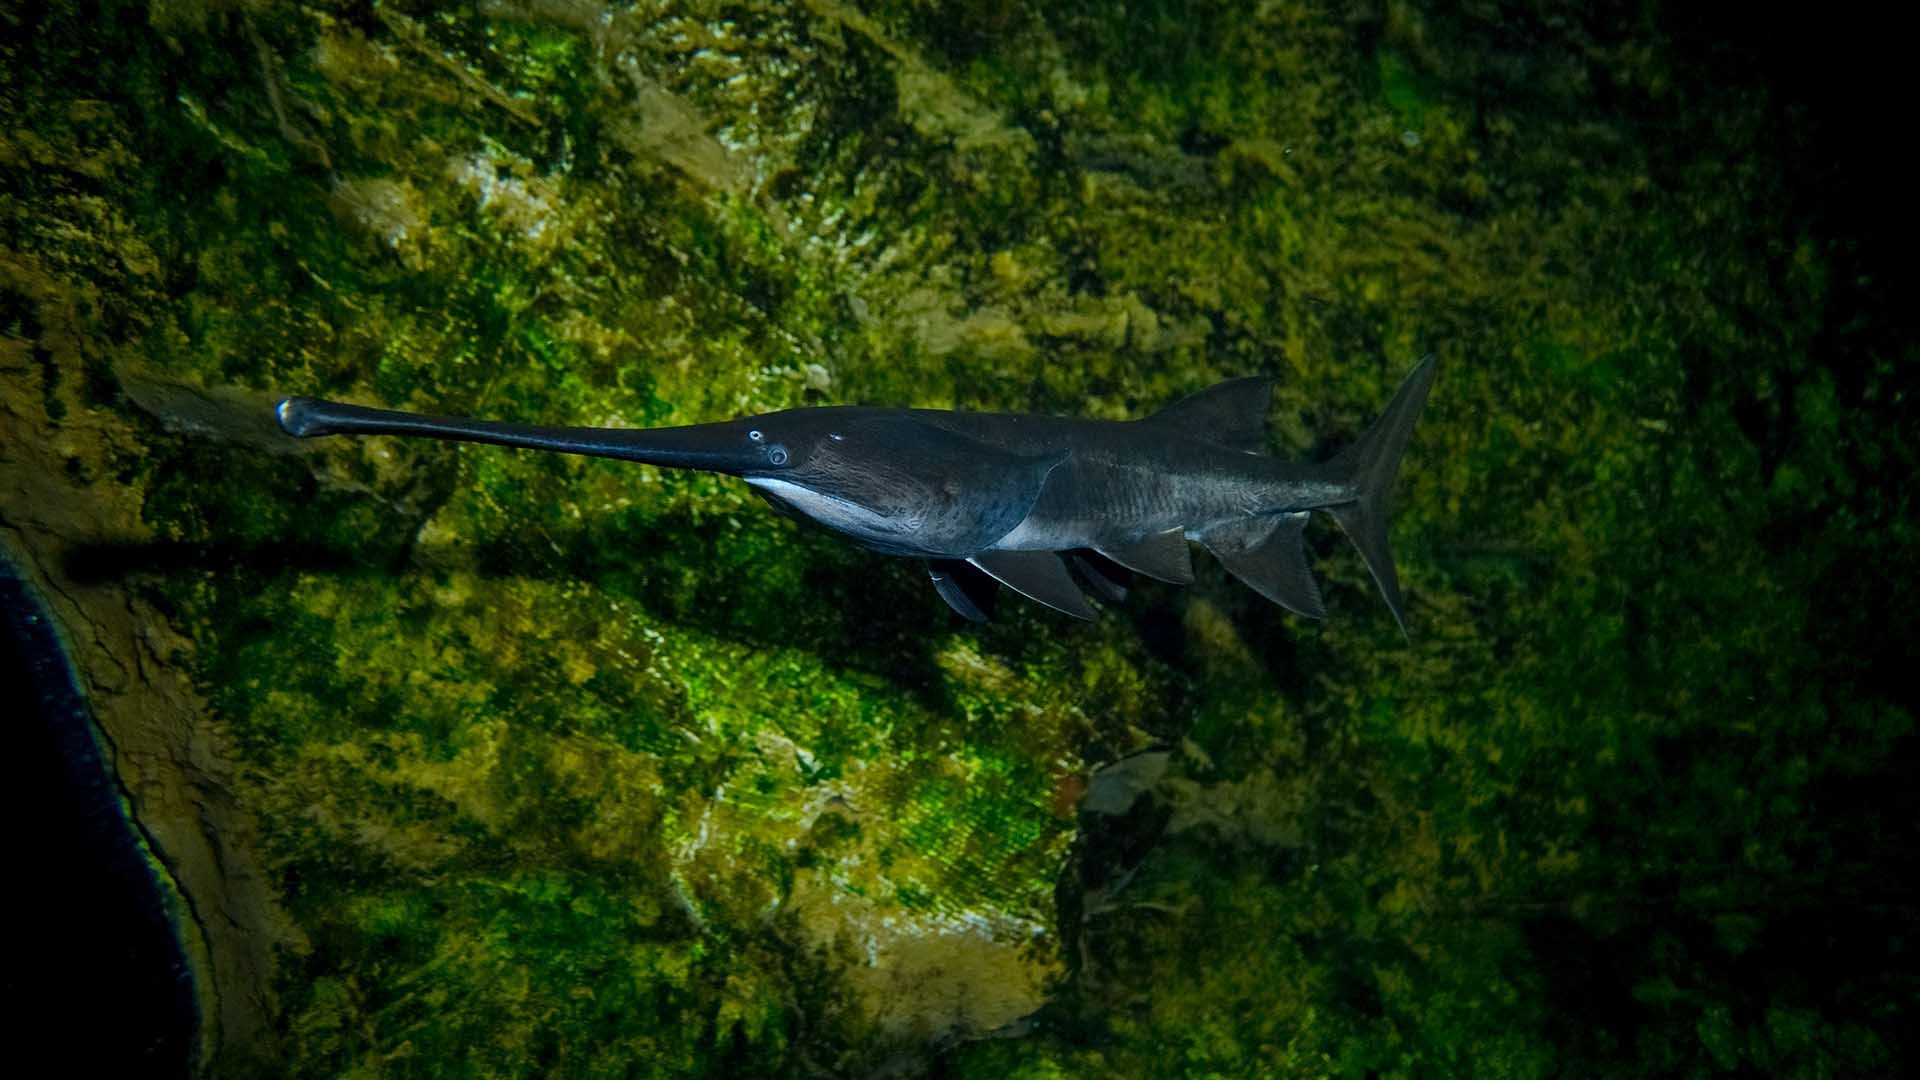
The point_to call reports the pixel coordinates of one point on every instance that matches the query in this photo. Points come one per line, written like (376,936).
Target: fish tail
(1370,464)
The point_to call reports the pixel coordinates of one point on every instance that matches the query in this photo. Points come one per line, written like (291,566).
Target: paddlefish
(1051,507)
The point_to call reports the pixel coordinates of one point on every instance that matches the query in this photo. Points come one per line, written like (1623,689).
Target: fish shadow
(853,612)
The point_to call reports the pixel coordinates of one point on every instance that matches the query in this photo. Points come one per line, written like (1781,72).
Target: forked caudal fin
(1370,465)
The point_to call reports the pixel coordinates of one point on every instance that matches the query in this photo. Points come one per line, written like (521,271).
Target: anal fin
(1268,554)
(1039,576)
(1161,555)
(965,589)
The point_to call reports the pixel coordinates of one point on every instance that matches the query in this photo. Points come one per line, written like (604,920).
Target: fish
(1050,507)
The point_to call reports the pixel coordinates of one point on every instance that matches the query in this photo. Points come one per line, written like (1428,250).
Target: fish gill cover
(490,763)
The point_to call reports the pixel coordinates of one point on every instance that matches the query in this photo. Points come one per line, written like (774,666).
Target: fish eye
(777,454)
(755,436)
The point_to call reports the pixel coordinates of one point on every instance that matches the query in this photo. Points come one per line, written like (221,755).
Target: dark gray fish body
(1008,495)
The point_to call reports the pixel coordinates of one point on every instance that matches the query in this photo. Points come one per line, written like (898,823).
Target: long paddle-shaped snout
(726,447)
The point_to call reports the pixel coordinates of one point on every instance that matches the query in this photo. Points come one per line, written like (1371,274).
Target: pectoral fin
(1267,554)
(1037,575)
(1160,555)
(965,589)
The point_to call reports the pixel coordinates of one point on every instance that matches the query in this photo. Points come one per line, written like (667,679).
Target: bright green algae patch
(565,767)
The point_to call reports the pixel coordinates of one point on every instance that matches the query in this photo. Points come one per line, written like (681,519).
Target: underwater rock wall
(472,761)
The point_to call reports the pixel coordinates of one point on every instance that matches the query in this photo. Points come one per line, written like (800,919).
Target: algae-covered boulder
(467,761)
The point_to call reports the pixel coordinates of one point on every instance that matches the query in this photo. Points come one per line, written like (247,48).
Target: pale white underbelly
(1034,535)
(1030,535)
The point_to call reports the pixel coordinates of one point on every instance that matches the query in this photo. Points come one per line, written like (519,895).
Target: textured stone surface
(473,762)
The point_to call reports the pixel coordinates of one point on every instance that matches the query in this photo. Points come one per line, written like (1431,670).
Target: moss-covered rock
(474,762)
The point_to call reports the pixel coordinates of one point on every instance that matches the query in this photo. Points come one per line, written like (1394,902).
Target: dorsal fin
(1160,555)
(1232,414)
(1267,554)
(1037,575)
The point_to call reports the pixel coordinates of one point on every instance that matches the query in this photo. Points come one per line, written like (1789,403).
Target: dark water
(94,950)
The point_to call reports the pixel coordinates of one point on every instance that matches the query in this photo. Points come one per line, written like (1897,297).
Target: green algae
(564,767)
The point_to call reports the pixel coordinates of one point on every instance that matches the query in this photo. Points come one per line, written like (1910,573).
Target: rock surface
(466,761)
